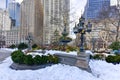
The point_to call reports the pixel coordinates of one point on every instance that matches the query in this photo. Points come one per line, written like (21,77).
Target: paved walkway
(4,54)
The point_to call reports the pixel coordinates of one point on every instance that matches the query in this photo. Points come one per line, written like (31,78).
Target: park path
(4,54)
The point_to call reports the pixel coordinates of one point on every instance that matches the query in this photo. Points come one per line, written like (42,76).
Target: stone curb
(16,66)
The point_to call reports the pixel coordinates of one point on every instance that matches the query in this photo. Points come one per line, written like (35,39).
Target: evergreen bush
(113,59)
(99,56)
(12,46)
(37,60)
(22,46)
(44,59)
(115,45)
(29,60)
(18,57)
(34,46)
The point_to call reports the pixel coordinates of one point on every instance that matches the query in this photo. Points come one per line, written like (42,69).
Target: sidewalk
(4,54)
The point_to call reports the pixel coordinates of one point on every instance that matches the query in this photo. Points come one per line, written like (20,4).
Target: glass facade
(14,11)
(93,7)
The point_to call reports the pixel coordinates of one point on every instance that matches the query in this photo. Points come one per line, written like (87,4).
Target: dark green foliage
(113,59)
(12,46)
(44,59)
(115,45)
(29,60)
(99,56)
(110,59)
(22,46)
(34,46)
(37,60)
(18,57)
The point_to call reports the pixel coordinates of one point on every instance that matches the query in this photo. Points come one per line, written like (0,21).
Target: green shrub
(29,60)
(113,59)
(12,46)
(99,56)
(44,59)
(117,59)
(22,46)
(34,46)
(37,60)
(115,45)
(18,57)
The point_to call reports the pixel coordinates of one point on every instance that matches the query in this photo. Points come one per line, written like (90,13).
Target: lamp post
(81,28)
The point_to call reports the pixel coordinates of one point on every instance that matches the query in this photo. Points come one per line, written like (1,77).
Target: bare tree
(110,15)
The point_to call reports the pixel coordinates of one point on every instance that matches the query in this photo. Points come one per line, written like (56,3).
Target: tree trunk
(117,30)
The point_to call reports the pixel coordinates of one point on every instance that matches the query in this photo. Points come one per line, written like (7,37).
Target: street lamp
(81,28)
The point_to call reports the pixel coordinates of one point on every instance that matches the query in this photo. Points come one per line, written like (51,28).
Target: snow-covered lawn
(100,71)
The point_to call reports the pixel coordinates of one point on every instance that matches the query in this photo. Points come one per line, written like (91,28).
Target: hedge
(20,58)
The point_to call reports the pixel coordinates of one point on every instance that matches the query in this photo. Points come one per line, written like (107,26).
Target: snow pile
(104,70)
(61,52)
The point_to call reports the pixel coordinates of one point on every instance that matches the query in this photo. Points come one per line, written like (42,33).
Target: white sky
(77,6)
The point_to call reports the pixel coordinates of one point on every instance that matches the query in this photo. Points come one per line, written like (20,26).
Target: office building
(43,17)
(14,11)
(5,24)
(93,7)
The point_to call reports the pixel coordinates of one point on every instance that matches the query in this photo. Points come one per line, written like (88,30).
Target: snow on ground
(62,52)
(8,49)
(100,71)
(55,72)
(104,70)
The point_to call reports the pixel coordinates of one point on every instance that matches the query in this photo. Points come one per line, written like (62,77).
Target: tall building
(43,17)
(56,13)
(5,23)
(14,11)
(31,20)
(7,3)
(12,36)
(93,7)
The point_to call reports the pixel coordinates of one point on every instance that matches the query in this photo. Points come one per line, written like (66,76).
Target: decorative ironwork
(81,28)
